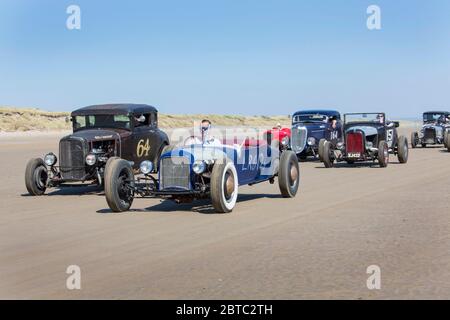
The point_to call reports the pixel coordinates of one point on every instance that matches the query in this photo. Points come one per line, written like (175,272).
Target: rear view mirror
(397,124)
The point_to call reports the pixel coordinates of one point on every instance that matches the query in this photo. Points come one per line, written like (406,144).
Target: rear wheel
(383,154)
(414,139)
(424,145)
(288,174)
(328,155)
(119,182)
(36,177)
(321,143)
(402,149)
(224,186)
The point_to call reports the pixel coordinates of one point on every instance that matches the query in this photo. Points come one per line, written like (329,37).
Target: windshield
(432,117)
(365,117)
(101,121)
(310,118)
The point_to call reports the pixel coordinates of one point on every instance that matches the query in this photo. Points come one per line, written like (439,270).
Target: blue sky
(224,56)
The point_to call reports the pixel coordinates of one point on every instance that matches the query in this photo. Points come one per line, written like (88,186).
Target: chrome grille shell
(175,173)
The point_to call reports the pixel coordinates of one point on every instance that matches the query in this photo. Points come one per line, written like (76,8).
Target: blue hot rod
(320,125)
(199,170)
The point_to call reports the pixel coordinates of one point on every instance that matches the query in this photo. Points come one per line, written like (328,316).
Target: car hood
(279,133)
(200,152)
(368,130)
(315,130)
(432,125)
(439,129)
(311,126)
(98,134)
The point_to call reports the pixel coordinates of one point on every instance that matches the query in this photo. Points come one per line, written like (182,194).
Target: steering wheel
(190,140)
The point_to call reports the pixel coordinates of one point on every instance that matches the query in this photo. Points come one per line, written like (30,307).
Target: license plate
(354,155)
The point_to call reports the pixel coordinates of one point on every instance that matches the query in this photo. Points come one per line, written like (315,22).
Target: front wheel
(224,186)
(288,174)
(402,149)
(321,144)
(328,155)
(36,177)
(383,154)
(119,182)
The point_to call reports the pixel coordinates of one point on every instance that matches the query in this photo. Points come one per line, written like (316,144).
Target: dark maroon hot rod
(100,133)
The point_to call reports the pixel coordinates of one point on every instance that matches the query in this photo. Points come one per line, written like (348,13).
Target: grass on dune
(26,119)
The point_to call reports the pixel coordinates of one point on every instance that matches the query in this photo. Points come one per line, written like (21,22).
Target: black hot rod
(100,133)
(367,137)
(434,130)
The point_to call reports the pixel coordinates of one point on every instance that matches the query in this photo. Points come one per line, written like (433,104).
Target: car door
(146,140)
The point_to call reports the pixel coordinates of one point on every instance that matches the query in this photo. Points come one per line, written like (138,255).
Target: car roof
(119,109)
(444,112)
(353,113)
(326,112)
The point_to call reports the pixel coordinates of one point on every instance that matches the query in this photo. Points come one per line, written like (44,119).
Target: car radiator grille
(298,139)
(429,135)
(72,154)
(355,143)
(175,173)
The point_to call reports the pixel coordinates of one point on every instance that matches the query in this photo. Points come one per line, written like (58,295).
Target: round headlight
(199,166)
(285,141)
(50,159)
(91,159)
(311,141)
(146,167)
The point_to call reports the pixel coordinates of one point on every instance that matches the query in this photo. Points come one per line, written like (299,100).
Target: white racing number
(333,135)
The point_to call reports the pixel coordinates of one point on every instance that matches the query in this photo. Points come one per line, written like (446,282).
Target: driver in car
(380,118)
(206,138)
(333,122)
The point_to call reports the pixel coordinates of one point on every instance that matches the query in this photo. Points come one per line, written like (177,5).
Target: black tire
(119,178)
(445,139)
(402,149)
(288,174)
(448,142)
(383,154)
(328,155)
(36,176)
(106,168)
(224,186)
(424,145)
(321,143)
(414,139)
